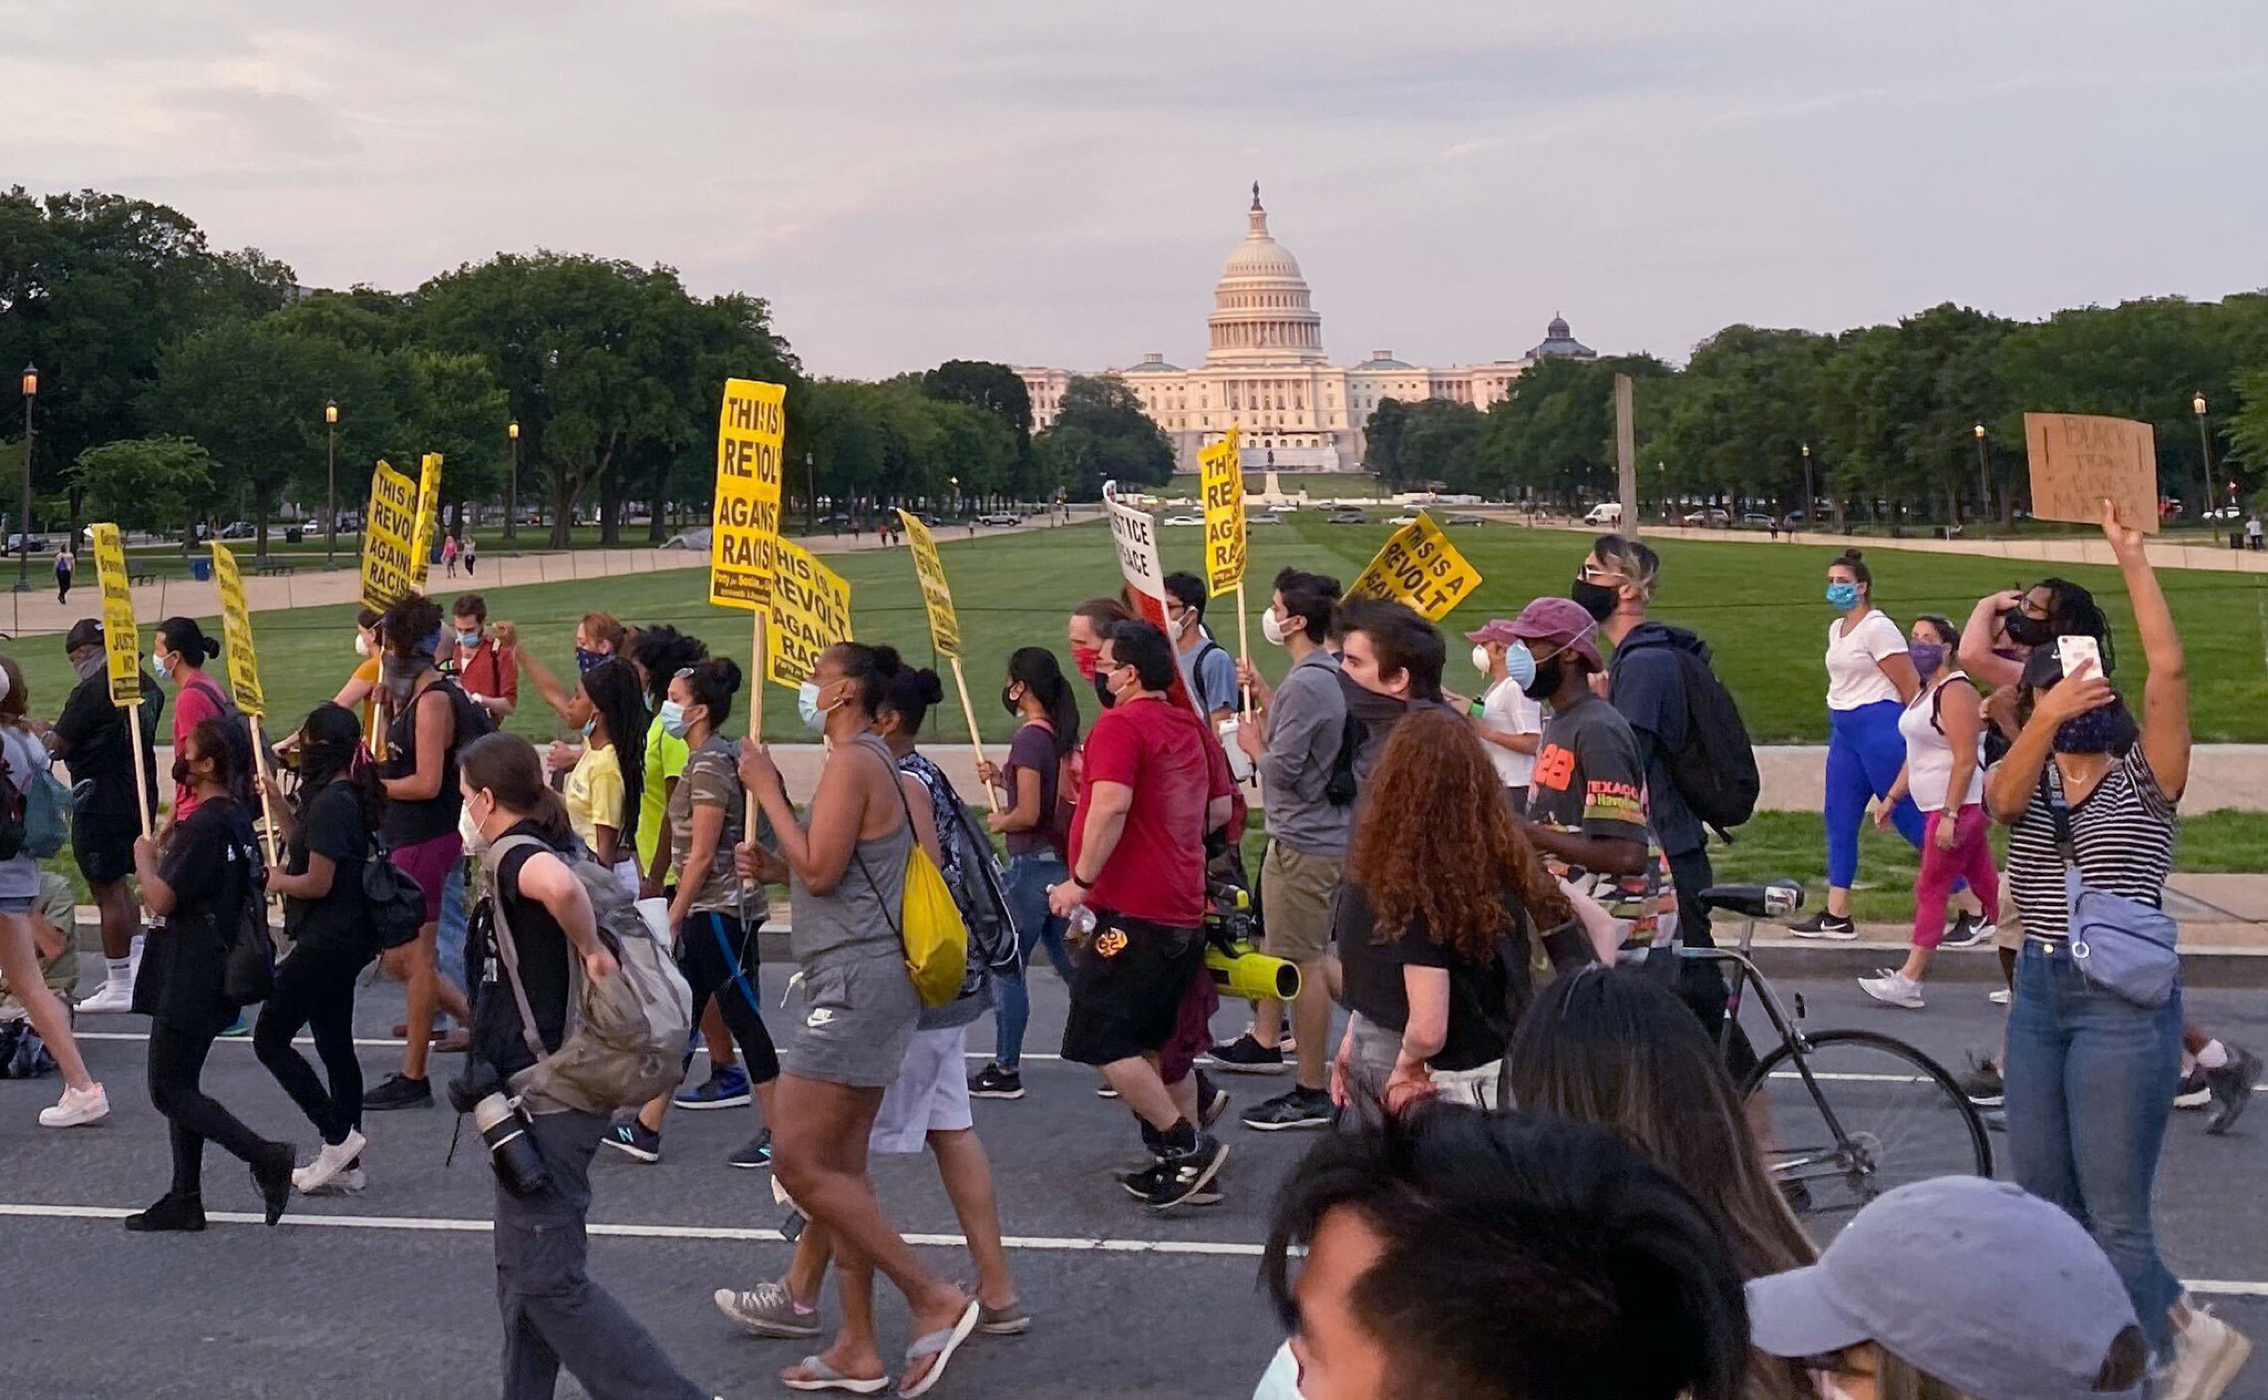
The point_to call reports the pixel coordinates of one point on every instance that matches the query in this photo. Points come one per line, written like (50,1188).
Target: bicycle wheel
(1860,1114)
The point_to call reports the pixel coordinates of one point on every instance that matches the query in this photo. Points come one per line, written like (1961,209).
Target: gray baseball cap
(1990,1289)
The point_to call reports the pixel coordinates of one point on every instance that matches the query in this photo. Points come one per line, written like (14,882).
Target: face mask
(589,725)
(1545,679)
(672,716)
(1175,626)
(468,830)
(361,644)
(585,659)
(468,640)
(89,666)
(2107,730)
(1481,661)
(1843,595)
(1084,659)
(1008,700)
(1271,629)
(2025,630)
(181,776)
(807,705)
(166,661)
(1101,683)
(1927,657)
(1597,599)
(1520,666)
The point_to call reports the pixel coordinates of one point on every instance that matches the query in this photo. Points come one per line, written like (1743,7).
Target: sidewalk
(2078,549)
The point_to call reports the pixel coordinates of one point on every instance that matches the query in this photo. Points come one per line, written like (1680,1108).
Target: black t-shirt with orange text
(1590,779)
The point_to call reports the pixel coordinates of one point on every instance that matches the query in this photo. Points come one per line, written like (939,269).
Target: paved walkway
(2077,549)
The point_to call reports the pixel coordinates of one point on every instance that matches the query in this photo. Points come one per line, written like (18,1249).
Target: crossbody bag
(2123,945)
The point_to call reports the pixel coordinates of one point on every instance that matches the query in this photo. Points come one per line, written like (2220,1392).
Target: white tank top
(1929,754)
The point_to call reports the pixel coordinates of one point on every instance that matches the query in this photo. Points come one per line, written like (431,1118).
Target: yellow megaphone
(1250,974)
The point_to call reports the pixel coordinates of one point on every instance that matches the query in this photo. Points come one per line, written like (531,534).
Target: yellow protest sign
(810,612)
(428,518)
(389,534)
(1221,473)
(936,596)
(1419,566)
(236,633)
(751,430)
(121,636)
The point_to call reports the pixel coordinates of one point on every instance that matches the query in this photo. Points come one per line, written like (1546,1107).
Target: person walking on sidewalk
(2089,789)
(93,737)
(1944,777)
(65,567)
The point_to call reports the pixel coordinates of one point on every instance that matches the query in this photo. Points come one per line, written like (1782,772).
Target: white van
(1605,513)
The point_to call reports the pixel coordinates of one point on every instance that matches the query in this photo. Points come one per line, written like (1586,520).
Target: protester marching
(1473,934)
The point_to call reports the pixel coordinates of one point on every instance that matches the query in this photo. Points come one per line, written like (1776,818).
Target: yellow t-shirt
(665,759)
(594,794)
(367,674)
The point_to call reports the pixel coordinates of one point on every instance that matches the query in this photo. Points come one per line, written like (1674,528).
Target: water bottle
(1082,922)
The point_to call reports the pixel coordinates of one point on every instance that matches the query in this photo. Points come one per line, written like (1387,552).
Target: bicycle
(1895,1116)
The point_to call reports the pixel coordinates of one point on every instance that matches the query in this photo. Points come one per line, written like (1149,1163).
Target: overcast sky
(1059,183)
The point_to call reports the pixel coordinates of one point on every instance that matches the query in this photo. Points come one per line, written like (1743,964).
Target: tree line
(1888,414)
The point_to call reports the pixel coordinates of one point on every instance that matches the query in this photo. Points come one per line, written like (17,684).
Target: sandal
(941,1344)
(825,1377)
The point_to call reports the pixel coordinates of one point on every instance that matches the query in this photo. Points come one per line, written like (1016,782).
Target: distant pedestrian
(65,566)
(449,554)
(2252,531)
(470,555)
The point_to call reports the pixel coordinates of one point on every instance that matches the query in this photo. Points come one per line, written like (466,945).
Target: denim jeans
(449,951)
(2091,1079)
(1029,875)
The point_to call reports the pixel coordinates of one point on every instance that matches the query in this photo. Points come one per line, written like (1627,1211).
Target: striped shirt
(2124,831)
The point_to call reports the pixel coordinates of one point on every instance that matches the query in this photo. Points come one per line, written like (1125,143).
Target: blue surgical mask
(589,725)
(807,705)
(672,718)
(1843,595)
(468,640)
(1520,665)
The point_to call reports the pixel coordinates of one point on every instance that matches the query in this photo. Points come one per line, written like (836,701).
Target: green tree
(1382,441)
(1440,442)
(143,483)
(1736,423)
(1101,434)
(1000,391)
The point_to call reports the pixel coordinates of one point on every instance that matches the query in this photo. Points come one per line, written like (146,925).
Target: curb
(1807,958)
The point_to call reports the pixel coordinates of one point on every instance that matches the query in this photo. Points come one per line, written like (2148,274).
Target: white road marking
(391,1044)
(735,1234)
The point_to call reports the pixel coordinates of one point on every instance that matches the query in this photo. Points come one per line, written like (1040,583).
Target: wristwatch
(1083,885)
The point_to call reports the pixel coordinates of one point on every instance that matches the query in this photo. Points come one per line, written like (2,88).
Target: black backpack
(1339,788)
(1715,769)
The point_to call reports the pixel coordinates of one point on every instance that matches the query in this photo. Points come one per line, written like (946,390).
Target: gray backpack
(625,1037)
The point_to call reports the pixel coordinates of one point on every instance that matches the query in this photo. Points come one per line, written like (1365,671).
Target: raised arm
(1976,654)
(2165,693)
(547,685)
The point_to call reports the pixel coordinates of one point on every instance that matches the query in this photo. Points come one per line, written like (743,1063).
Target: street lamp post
(512,488)
(1984,477)
(811,485)
(23,526)
(1810,502)
(331,476)
(2205,447)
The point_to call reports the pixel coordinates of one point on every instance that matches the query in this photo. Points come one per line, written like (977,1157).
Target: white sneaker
(1894,988)
(2000,996)
(2208,1353)
(329,1163)
(346,1183)
(77,1108)
(112,999)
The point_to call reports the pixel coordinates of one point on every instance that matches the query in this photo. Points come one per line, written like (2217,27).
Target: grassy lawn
(1758,604)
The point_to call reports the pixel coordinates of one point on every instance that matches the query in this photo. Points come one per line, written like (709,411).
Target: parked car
(1183,520)
(1346,517)
(1605,513)
(2226,513)
(1000,517)
(1407,517)
(237,530)
(691,539)
(16,544)
(1711,518)
(1264,518)
(1288,505)
(1757,520)
(1467,520)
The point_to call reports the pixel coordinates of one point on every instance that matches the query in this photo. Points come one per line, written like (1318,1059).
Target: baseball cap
(86,632)
(1558,623)
(1976,1282)
(1496,630)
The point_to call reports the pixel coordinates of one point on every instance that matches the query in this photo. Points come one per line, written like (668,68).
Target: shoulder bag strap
(2051,790)
(896,782)
(506,952)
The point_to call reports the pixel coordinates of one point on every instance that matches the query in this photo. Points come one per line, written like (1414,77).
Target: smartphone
(2071,651)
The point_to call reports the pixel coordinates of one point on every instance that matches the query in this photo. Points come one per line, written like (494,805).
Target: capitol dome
(1261,311)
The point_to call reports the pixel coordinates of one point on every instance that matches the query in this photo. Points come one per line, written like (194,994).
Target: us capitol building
(1264,371)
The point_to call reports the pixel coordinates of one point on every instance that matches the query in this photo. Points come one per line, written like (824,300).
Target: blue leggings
(1864,753)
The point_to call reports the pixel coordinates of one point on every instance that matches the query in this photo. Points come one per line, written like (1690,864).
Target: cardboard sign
(1221,472)
(236,633)
(751,431)
(1419,567)
(810,612)
(2080,460)
(389,530)
(1135,534)
(428,518)
(936,596)
(121,637)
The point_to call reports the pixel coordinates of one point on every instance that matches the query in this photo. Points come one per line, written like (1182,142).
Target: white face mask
(1271,629)
(1481,659)
(362,644)
(1175,626)
(469,830)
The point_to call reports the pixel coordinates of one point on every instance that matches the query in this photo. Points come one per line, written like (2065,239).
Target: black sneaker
(755,1156)
(271,1176)
(1212,1101)
(993,1082)
(2194,1091)
(171,1212)
(1837,928)
(1182,1176)
(2232,1088)
(634,1139)
(1970,931)
(1244,1055)
(1982,1083)
(399,1091)
(1139,1185)
(1301,1108)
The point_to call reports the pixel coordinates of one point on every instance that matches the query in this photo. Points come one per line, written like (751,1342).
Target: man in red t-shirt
(484,667)
(1152,786)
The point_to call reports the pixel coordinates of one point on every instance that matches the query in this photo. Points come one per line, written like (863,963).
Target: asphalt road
(390,1293)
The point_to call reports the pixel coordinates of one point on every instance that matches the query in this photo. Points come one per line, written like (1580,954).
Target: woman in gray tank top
(846,891)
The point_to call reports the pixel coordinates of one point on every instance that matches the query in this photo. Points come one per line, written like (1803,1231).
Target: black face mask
(1008,700)
(181,772)
(1597,599)
(1547,680)
(2025,630)
(1102,689)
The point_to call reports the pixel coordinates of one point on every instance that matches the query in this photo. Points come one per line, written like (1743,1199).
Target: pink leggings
(1971,856)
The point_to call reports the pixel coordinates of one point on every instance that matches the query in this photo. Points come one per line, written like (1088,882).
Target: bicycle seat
(1755,901)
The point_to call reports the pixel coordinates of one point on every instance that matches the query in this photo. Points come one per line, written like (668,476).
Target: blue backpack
(35,814)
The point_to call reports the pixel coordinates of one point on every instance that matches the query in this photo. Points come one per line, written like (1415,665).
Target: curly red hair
(1437,842)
